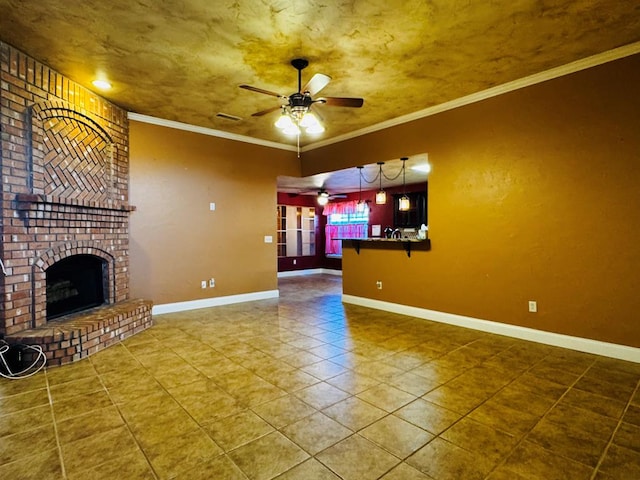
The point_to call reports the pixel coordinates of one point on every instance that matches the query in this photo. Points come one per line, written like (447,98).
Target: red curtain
(351,230)
(334,247)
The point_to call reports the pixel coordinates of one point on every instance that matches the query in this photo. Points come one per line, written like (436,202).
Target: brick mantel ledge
(26,200)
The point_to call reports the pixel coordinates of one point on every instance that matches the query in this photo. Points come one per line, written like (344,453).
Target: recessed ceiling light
(101,84)
(424,168)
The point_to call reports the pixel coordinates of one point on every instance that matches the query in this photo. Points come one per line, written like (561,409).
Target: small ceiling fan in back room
(297,111)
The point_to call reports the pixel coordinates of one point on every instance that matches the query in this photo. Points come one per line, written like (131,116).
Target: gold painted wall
(533,195)
(176,241)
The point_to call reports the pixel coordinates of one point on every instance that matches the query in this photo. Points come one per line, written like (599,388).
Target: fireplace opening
(76,283)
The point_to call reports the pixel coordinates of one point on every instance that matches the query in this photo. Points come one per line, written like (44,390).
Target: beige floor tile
(292,381)
(413,384)
(268,456)
(98,421)
(181,453)
(316,432)
(96,449)
(239,429)
(130,465)
(179,376)
(353,382)
(83,386)
(9,388)
(628,436)
(321,395)
(309,470)
(405,472)
(23,400)
(397,436)
(507,419)
(24,443)
(488,442)
(571,417)
(31,418)
(445,461)
(354,413)
(386,397)
(151,430)
(284,411)
(620,462)
(324,369)
(74,371)
(569,442)
(220,467)
(428,416)
(531,461)
(356,458)
(81,404)
(44,464)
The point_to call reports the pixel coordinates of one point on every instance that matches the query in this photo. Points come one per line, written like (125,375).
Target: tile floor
(307,388)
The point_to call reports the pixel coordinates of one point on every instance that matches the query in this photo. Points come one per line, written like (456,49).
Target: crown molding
(578,65)
(207,131)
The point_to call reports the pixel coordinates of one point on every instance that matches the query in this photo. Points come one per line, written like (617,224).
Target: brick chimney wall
(65,172)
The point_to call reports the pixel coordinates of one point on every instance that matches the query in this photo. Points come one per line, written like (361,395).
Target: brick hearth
(65,168)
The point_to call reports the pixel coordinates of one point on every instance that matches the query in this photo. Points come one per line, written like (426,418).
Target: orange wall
(176,241)
(533,195)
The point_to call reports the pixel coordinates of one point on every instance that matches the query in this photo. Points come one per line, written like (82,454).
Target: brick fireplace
(64,159)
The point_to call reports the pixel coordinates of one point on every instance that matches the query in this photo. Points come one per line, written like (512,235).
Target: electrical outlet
(533,306)
(295,261)
(212,282)
(203,284)
(379,284)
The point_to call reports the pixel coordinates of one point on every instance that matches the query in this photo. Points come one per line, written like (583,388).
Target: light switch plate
(268,239)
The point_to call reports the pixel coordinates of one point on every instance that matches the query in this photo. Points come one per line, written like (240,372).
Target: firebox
(76,283)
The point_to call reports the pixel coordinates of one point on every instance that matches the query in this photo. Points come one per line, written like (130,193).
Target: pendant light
(381,196)
(404,204)
(360,206)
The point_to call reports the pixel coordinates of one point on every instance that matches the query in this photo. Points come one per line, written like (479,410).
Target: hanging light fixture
(323,197)
(360,206)
(404,204)
(381,196)
(291,121)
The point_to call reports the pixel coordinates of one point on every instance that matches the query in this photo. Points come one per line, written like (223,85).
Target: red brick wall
(64,156)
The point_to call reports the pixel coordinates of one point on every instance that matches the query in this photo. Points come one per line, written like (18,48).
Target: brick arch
(55,254)
(71,154)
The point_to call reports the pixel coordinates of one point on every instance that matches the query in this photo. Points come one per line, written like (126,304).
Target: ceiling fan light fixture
(323,198)
(309,120)
(317,128)
(284,121)
(291,129)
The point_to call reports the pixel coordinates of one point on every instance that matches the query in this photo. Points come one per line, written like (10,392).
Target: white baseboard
(310,271)
(213,302)
(622,352)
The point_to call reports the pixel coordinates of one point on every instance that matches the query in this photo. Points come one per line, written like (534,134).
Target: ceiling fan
(298,105)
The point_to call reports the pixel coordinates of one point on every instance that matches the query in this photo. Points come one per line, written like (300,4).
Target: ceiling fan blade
(264,112)
(342,101)
(317,83)
(260,90)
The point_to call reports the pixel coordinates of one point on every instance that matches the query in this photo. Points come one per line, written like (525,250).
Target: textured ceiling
(183,60)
